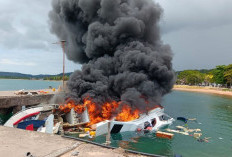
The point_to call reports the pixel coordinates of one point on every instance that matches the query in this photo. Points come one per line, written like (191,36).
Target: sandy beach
(209,90)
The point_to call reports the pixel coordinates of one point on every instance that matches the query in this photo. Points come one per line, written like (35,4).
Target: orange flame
(127,114)
(102,113)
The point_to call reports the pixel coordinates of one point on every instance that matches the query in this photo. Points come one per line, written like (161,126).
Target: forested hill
(15,75)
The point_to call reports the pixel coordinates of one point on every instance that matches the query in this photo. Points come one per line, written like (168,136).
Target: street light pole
(63,47)
(62,43)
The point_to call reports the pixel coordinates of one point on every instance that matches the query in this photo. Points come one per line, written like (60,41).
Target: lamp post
(62,43)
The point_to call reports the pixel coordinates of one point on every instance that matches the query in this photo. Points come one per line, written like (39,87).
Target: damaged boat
(38,118)
(156,118)
(49,119)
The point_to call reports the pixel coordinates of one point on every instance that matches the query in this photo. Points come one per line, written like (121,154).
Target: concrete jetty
(9,99)
(17,142)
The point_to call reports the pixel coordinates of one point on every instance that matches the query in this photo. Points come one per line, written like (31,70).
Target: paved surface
(12,93)
(10,99)
(88,150)
(17,142)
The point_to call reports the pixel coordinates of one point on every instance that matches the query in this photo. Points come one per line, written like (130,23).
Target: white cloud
(198,31)
(16,62)
(24,24)
(26,42)
(196,14)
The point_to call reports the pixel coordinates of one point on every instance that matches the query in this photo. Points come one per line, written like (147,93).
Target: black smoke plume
(118,42)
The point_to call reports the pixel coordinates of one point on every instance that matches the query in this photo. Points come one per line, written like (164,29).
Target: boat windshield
(164,117)
(153,122)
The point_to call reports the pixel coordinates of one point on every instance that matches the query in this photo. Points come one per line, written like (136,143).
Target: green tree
(191,77)
(218,74)
(228,74)
(57,78)
(208,79)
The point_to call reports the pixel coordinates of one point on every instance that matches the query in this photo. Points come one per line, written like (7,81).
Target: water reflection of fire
(105,112)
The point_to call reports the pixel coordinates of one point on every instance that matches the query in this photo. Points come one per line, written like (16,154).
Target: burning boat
(126,67)
(105,118)
(156,118)
(102,120)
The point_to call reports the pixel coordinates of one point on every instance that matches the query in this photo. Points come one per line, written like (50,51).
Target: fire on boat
(155,119)
(111,117)
(116,118)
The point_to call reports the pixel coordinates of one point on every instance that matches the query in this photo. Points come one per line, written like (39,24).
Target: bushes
(221,75)
(57,78)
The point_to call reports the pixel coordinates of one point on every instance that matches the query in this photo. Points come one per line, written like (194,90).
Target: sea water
(16,84)
(213,114)
(214,118)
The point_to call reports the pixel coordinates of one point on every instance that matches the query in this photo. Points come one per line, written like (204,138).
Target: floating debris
(206,139)
(182,119)
(188,130)
(177,131)
(164,135)
(197,135)
(185,120)
(83,135)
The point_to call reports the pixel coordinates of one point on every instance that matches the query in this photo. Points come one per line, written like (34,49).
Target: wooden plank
(164,135)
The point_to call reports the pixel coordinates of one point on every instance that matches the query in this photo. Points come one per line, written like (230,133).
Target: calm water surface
(15,84)
(214,118)
(213,113)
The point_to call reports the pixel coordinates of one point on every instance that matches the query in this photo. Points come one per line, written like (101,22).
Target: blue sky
(199,33)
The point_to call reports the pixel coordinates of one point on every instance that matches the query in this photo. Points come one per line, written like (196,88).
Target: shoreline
(185,88)
(207,90)
(27,79)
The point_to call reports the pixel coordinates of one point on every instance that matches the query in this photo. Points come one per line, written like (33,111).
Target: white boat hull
(21,115)
(117,126)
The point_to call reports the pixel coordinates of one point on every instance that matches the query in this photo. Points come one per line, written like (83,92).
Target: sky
(199,33)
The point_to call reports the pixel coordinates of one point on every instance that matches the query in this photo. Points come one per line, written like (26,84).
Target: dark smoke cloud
(118,43)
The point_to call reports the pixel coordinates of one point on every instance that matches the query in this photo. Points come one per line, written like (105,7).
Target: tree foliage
(222,75)
(191,77)
(57,78)
(228,74)
(218,74)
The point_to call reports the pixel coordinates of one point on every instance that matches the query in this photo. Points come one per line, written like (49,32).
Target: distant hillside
(16,75)
(204,71)
(13,74)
